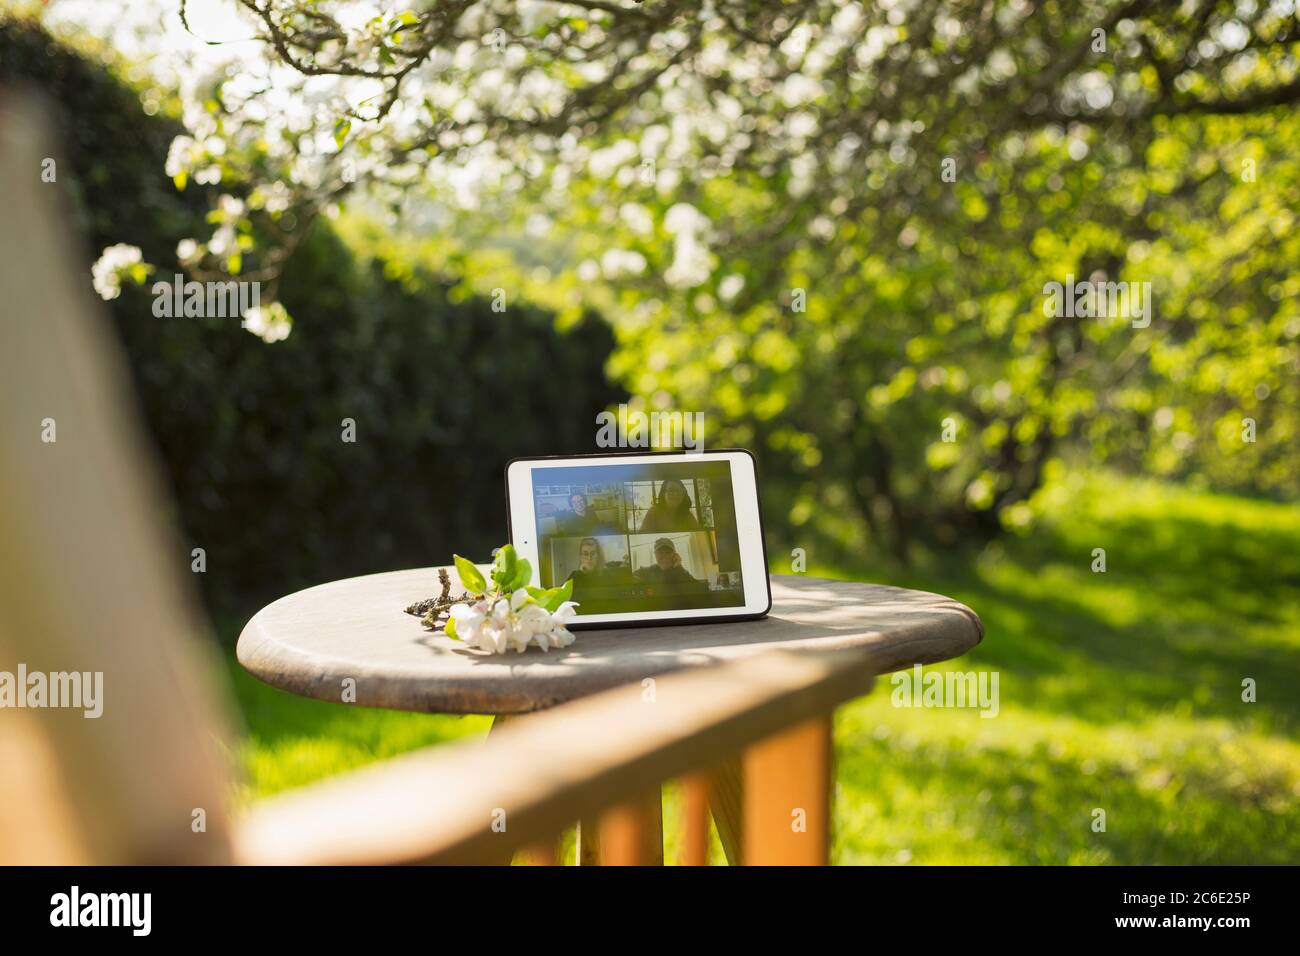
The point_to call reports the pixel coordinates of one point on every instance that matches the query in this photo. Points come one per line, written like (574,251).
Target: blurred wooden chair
(90,574)
(93,579)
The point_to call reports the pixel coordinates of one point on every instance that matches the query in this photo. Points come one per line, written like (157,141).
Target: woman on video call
(671,510)
(591,571)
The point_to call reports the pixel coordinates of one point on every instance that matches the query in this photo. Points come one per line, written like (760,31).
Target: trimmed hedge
(443,393)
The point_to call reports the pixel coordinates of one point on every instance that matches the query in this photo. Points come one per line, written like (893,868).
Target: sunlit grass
(1119,692)
(289,741)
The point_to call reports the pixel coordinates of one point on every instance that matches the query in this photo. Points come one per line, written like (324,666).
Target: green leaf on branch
(341,130)
(562,594)
(523,574)
(404,19)
(470,576)
(450,629)
(551,598)
(503,568)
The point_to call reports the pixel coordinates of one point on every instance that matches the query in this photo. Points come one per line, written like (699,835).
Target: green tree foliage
(830,226)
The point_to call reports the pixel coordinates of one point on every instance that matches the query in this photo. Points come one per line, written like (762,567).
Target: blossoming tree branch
(816,218)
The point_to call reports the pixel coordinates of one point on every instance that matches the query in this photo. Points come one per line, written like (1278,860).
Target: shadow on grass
(1187,564)
(1188,606)
(1064,658)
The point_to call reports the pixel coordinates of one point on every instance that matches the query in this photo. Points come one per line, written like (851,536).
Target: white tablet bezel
(749,529)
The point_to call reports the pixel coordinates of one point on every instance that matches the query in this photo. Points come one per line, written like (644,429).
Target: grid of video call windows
(656,537)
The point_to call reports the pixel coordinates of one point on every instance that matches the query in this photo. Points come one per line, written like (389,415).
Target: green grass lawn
(1119,691)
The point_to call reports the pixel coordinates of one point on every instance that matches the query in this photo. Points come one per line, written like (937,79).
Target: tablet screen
(651,537)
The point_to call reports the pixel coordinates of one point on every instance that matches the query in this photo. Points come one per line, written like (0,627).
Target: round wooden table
(352,641)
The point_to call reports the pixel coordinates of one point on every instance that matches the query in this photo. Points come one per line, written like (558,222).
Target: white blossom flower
(534,619)
(513,623)
(692,262)
(106,273)
(467,615)
(270,323)
(180,155)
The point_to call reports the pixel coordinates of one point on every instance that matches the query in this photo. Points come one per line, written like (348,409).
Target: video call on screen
(654,537)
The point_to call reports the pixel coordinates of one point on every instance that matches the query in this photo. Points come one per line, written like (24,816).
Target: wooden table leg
(507,856)
(538,854)
(727,803)
(586,851)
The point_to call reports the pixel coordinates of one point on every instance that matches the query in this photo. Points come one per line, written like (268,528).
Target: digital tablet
(649,538)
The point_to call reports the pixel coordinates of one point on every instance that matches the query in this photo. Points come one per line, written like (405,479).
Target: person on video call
(666,575)
(579,519)
(593,573)
(590,571)
(672,510)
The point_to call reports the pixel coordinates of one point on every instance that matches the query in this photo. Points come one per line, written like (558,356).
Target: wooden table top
(310,642)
